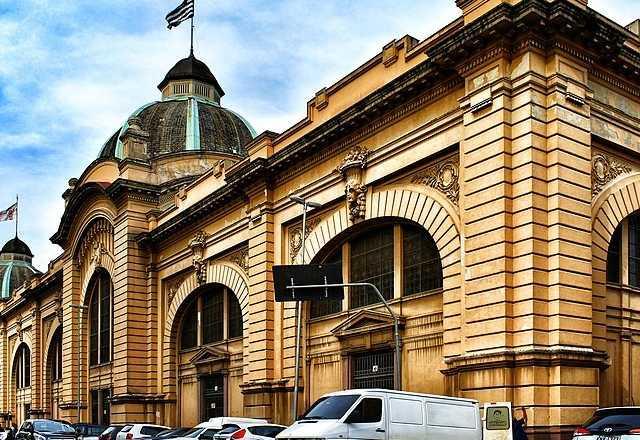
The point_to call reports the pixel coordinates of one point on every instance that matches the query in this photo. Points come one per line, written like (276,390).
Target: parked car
(395,415)
(111,432)
(252,432)
(207,430)
(611,423)
(170,433)
(45,429)
(136,431)
(87,431)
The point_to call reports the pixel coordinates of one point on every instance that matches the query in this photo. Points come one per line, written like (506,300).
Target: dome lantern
(16,266)
(191,77)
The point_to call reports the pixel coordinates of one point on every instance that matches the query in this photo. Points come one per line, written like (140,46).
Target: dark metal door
(212,396)
(372,370)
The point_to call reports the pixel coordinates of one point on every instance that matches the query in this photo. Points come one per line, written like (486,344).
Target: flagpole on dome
(17,215)
(194,13)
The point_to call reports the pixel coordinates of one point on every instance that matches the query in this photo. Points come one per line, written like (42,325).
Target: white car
(253,432)
(137,431)
(207,430)
(611,424)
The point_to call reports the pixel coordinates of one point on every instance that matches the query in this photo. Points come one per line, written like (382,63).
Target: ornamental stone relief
(172,285)
(295,236)
(442,176)
(197,245)
(352,171)
(19,330)
(604,169)
(240,258)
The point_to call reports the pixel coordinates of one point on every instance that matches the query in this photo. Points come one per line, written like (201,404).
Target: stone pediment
(209,355)
(365,321)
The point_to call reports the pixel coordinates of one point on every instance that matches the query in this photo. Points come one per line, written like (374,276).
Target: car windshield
(194,432)
(51,426)
(331,408)
(619,419)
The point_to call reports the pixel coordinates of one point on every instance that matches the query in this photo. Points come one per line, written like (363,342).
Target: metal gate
(212,396)
(372,370)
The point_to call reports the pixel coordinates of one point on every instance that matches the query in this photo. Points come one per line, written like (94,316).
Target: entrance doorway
(212,396)
(372,370)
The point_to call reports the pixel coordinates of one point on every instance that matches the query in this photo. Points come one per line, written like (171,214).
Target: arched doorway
(403,261)
(209,355)
(21,374)
(53,374)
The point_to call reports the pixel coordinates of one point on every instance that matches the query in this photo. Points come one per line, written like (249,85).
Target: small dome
(16,246)
(15,266)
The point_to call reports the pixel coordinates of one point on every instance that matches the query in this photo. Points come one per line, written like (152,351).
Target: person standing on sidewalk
(519,425)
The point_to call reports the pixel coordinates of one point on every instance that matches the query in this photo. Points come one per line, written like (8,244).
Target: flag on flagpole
(181,13)
(9,213)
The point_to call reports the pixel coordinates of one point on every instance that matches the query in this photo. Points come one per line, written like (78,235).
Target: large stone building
(487,179)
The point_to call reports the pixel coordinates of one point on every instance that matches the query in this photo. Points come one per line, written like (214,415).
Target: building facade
(486,179)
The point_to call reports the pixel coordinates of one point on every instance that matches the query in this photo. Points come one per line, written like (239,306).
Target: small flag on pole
(181,13)
(9,214)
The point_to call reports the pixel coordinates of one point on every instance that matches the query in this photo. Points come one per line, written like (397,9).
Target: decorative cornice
(442,176)
(604,169)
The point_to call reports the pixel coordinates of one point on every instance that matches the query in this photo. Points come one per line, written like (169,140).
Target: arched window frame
(623,254)
(385,244)
(22,367)
(55,356)
(100,318)
(213,315)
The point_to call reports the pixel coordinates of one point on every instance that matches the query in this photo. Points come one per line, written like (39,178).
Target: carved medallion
(197,245)
(604,169)
(352,170)
(443,176)
(295,236)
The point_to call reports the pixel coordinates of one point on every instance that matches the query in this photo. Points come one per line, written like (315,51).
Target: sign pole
(296,383)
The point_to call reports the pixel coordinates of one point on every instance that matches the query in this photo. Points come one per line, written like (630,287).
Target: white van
(396,415)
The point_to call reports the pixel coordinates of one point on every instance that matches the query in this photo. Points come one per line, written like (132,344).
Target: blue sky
(71,71)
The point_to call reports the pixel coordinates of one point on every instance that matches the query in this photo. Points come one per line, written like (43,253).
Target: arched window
(55,356)
(613,257)
(387,256)
(623,255)
(100,294)
(22,367)
(220,317)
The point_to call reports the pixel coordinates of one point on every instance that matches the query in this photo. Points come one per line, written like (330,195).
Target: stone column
(526,167)
(133,315)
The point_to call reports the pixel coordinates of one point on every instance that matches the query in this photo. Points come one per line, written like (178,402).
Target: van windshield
(331,407)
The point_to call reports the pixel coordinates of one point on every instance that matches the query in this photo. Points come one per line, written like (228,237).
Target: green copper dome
(15,266)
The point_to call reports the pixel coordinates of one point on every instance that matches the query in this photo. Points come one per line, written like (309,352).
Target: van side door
(367,420)
(406,418)
(497,422)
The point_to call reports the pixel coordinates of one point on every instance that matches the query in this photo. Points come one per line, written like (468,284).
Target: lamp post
(80,308)
(306,204)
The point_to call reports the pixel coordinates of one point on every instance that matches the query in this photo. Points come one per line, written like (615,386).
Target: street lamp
(306,204)
(80,308)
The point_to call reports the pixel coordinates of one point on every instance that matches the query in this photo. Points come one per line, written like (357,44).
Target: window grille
(421,260)
(330,306)
(372,370)
(634,250)
(100,321)
(180,89)
(189,336)
(213,316)
(235,316)
(372,262)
